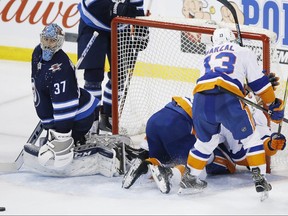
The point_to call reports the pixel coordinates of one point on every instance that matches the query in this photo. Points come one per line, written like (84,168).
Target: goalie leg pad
(96,160)
(108,166)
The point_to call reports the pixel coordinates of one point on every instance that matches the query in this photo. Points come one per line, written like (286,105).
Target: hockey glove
(273,79)
(123,9)
(277,109)
(277,142)
(58,149)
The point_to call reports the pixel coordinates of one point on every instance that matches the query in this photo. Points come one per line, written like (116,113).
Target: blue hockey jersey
(58,100)
(97,13)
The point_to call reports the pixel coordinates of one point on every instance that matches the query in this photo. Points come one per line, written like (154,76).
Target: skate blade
(189,191)
(264,195)
(129,177)
(160,182)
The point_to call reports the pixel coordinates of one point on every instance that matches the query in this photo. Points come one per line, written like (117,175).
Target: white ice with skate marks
(28,193)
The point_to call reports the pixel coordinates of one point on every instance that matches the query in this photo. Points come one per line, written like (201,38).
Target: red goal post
(167,64)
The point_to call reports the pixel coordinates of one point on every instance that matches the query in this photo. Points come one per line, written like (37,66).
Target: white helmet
(223,35)
(51,40)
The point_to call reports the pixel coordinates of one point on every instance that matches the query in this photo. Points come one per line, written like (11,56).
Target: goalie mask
(51,40)
(223,35)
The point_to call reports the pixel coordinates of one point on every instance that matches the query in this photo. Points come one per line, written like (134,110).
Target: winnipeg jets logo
(36,96)
(55,67)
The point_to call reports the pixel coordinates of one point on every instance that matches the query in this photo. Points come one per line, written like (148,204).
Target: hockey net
(166,65)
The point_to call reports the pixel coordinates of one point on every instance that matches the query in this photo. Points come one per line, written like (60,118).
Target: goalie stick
(17,164)
(234,14)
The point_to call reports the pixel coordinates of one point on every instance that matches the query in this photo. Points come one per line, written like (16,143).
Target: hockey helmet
(51,40)
(223,35)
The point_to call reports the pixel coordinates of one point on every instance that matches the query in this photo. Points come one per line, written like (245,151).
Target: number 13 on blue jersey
(223,63)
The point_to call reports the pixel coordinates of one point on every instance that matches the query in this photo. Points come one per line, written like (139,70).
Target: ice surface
(26,193)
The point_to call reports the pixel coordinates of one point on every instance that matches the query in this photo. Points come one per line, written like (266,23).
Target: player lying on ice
(228,66)
(67,113)
(169,140)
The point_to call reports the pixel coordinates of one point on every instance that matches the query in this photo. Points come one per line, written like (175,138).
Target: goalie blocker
(102,154)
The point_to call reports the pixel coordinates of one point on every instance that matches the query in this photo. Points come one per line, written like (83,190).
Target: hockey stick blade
(249,102)
(17,164)
(14,166)
(234,14)
(264,195)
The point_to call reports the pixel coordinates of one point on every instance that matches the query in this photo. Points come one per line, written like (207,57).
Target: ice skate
(191,184)
(138,168)
(162,176)
(261,184)
(105,125)
(94,130)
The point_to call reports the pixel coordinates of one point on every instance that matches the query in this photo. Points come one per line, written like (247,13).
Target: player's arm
(261,86)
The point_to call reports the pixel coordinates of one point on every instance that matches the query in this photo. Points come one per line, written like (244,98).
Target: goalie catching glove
(277,110)
(58,148)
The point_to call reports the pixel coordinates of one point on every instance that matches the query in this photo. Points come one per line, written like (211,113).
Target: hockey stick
(249,102)
(284,102)
(148,12)
(86,50)
(17,164)
(234,14)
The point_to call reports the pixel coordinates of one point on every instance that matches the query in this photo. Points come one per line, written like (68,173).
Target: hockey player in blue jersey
(170,136)
(97,15)
(229,66)
(65,110)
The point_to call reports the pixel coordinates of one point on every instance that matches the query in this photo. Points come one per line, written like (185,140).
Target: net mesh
(167,62)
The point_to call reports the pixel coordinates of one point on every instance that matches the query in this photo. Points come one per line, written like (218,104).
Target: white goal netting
(166,62)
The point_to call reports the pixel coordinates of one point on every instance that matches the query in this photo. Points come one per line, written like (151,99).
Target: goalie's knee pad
(57,152)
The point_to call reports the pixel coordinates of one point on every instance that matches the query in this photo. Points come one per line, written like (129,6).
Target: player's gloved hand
(277,142)
(277,109)
(123,8)
(273,79)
